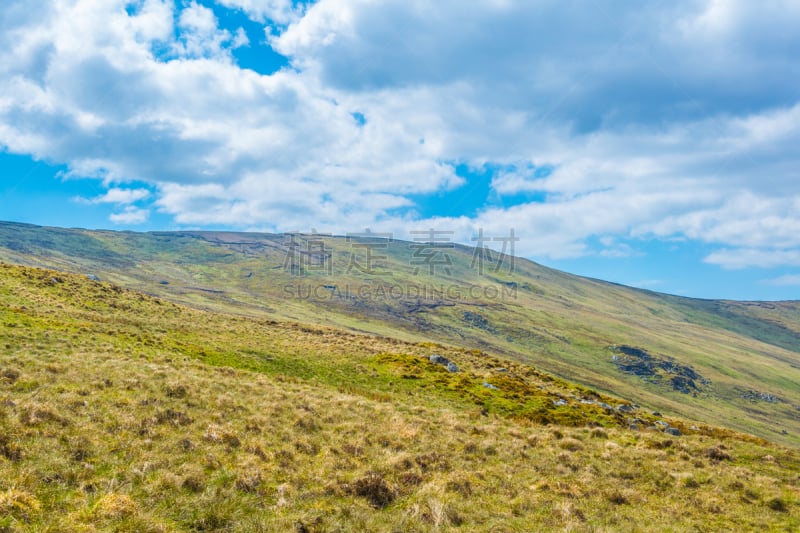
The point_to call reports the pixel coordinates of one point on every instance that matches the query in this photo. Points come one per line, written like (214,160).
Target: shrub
(375,489)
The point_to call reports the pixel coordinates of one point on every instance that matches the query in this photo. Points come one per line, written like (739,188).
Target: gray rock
(605,406)
(490,386)
(673,431)
(560,401)
(92,277)
(444,361)
(439,359)
(624,408)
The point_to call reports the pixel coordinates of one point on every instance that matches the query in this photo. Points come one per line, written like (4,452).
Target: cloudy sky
(649,143)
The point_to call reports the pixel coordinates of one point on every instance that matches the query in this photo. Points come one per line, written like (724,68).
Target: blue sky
(653,145)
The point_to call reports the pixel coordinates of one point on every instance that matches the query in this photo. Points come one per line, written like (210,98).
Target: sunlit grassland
(559,323)
(124,412)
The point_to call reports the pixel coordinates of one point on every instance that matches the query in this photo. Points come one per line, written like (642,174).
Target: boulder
(444,361)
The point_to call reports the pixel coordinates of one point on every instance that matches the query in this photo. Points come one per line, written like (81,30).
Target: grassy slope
(561,323)
(123,412)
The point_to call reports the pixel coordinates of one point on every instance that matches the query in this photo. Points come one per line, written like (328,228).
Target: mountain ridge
(563,324)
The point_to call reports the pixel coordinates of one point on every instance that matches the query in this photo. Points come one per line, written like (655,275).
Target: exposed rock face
(756,396)
(444,361)
(477,320)
(657,369)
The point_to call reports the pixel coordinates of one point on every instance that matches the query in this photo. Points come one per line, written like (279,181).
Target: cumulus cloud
(131,215)
(117,195)
(199,36)
(276,11)
(597,122)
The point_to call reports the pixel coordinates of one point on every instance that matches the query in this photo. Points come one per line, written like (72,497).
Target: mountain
(121,411)
(724,363)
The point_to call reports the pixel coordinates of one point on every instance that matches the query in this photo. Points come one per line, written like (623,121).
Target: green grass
(124,412)
(556,322)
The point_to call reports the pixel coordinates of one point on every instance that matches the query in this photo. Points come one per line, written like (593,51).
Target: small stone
(673,431)
(490,386)
(451,367)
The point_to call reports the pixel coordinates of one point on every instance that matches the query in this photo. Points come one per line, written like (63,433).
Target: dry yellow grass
(119,412)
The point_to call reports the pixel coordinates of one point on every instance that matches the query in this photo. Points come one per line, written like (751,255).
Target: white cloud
(787,280)
(120,196)
(278,11)
(750,257)
(200,37)
(131,215)
(667,121)
(240,39)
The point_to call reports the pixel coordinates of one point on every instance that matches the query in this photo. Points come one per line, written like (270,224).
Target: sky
(653,144)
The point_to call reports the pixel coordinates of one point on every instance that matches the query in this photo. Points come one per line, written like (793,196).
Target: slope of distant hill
(735,364)
(124,412)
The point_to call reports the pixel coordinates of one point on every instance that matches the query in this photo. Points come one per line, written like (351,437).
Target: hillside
(125,412)
(734,364)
